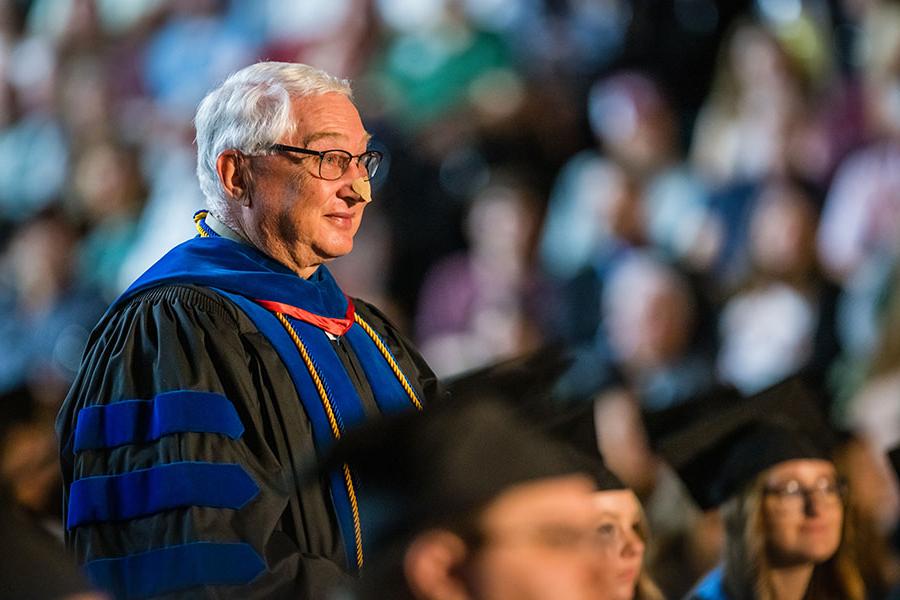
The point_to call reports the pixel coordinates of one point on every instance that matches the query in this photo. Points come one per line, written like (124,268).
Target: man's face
(540,543)
(295,216)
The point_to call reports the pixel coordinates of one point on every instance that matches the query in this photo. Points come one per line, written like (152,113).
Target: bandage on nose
(362,187)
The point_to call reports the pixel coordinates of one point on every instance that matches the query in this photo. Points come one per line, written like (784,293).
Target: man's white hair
(249,112)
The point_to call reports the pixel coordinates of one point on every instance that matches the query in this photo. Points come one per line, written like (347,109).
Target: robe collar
(238,268)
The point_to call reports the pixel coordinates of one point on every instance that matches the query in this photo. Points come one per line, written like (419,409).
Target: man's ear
(432,566)
(232,168)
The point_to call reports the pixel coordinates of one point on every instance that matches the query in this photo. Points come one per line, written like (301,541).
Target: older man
(235,358)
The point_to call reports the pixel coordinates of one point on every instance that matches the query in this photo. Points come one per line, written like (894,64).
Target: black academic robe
(183,337)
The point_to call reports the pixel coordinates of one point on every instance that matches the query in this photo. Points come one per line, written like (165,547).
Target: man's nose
(362,188)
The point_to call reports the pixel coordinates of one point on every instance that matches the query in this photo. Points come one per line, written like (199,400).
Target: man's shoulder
(186,295)
(171,304)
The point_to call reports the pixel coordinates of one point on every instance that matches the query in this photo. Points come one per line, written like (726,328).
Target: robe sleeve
(181,441)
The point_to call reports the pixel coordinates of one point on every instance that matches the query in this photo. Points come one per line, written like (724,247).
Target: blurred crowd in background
(683,192)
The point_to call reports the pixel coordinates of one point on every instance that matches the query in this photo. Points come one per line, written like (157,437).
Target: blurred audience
(650,314)
(47,310)
(555,176)
(782,319)
(480,306)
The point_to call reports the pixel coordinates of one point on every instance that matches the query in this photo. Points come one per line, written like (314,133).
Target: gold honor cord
(335,431)
(390,360)
(329,409)
(198,219)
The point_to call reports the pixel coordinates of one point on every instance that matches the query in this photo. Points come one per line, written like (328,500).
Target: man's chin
(331,252)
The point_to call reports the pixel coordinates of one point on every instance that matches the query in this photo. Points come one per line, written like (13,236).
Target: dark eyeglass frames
(793,493)
(334,163)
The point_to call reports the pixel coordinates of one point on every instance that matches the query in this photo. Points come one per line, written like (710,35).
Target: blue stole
(711,586)
(245,275)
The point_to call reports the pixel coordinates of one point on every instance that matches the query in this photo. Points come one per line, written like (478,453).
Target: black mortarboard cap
(721,442)
(524,380)
(528,383)
(424,469)
(575,426)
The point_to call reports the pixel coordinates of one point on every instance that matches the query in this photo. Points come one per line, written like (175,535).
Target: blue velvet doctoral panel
(348,409)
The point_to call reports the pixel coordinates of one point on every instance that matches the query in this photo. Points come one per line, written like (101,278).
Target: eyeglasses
(334,163)
(792,493)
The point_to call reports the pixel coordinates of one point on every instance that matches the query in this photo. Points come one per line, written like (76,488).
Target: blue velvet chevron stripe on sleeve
(137,421)
(163,487)
(176,568)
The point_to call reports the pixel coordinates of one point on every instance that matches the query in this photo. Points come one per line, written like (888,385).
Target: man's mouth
(341,219)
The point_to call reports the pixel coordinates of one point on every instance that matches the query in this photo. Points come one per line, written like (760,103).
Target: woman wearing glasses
(785,538)
(763,463)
